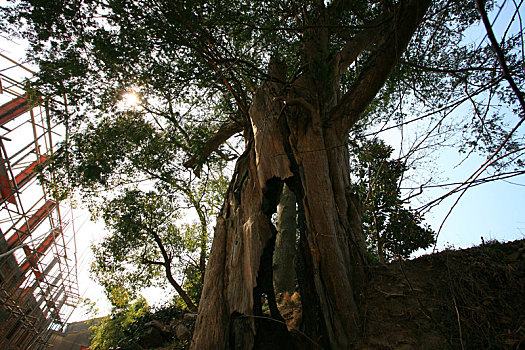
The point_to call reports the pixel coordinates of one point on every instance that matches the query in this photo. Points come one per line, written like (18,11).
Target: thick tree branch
(226,131)
(359,43)
(378,68)
(299,101)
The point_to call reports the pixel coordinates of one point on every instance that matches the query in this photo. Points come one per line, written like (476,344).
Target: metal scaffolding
(38,276)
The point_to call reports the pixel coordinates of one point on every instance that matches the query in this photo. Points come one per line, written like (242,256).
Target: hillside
(456,299)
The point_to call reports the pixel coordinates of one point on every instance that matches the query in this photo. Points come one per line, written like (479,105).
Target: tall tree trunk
(298,134)
(284,255)
(239,271)
(333,245)
(314,161)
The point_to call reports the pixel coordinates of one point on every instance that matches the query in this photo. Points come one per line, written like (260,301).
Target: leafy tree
(392,231)
(147,237)
(296,78)
(129,326)
(110,332)
(144,240)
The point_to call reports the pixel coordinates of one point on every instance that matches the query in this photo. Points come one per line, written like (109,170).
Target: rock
(189,317)
(174,323)
(152,338)
(164,329)
(182,332)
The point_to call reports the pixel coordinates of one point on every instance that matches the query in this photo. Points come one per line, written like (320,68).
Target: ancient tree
(295,79)
(296,132)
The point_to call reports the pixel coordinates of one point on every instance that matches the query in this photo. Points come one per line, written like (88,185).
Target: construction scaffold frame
(38,267)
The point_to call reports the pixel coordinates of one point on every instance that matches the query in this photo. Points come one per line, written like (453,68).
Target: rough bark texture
(316,164)
(231,300)
(298,133)
(284,255)
(334,247)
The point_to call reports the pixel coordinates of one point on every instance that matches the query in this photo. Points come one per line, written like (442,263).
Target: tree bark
(316,165)
(284,255)
(235,281)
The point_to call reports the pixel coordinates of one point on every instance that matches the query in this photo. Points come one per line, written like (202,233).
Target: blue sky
(493,210)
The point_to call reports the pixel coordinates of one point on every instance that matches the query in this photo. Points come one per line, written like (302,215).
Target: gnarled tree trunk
(297,134)
(313,160)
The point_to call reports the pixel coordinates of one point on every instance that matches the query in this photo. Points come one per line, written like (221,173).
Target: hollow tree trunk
(298,134)
(284,255)
(314,161)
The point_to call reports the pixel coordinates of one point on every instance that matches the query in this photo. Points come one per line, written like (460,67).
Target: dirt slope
(464,299)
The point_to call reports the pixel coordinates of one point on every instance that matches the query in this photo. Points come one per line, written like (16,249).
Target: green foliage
(392,231)
(127,168)
(110,153)
(126,327)
(193,283)
(180,53)
(119,258)
(131,257)
(406,233)
(197,63)
(113,332)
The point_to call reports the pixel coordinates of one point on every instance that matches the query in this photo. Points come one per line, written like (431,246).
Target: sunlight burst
(131,99)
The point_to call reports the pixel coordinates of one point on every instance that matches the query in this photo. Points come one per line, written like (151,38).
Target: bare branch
(499,53)
(465,185)
(449,70)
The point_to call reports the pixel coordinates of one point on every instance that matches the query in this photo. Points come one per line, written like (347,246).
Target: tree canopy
(196,64)
(125,169)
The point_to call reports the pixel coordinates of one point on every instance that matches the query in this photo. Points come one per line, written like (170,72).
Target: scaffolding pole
(38,274)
